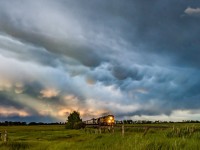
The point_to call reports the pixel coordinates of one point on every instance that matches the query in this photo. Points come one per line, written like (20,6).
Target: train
(108,120)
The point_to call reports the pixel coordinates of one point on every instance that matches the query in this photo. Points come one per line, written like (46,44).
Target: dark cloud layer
(133,58)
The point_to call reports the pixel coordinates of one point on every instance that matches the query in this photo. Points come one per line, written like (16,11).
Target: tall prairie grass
(175,137)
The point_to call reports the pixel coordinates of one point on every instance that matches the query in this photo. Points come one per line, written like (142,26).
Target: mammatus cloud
(99,57)
(11,111)
(49,93)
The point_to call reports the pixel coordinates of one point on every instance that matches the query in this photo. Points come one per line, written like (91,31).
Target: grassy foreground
(143,137)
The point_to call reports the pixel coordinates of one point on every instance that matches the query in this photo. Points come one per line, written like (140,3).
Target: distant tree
(32,123)
(129,121)
(125,121)
(74,121)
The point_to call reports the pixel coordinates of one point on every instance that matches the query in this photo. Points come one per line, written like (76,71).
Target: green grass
(141,137)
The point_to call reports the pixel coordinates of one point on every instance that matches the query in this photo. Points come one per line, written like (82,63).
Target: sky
(134,59)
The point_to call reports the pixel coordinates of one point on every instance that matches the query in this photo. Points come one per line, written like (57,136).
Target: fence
(4,136)
(99,129)
(122,128)
(103,129)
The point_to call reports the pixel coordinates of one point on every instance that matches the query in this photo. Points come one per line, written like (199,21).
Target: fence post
(123,130)
(96,131)
(113,130)
(109,128)
(5,136)
(100,129)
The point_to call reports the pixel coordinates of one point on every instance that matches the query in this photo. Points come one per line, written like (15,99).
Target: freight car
(108,120)
(92,121)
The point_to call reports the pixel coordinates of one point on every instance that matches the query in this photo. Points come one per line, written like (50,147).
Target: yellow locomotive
(108,120)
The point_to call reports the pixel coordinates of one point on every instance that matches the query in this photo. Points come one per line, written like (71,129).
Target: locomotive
(108,120)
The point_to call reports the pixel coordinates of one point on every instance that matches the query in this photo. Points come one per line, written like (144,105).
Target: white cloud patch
(176,115)
(192,11)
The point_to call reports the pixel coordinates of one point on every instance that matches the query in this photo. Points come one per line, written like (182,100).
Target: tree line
(18,123)
(153,122)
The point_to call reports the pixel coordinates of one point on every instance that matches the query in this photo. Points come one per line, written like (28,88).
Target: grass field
(143,137)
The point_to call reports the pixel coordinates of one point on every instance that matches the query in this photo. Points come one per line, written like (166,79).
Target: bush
(69,125)
(74,121)
(79,125)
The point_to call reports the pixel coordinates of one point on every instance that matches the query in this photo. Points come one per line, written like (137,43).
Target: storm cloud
(134,59)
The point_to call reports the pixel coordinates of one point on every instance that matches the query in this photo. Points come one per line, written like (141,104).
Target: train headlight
(111,118)
(109,121)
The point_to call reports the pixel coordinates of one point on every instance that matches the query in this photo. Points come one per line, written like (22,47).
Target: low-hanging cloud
(132,59)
